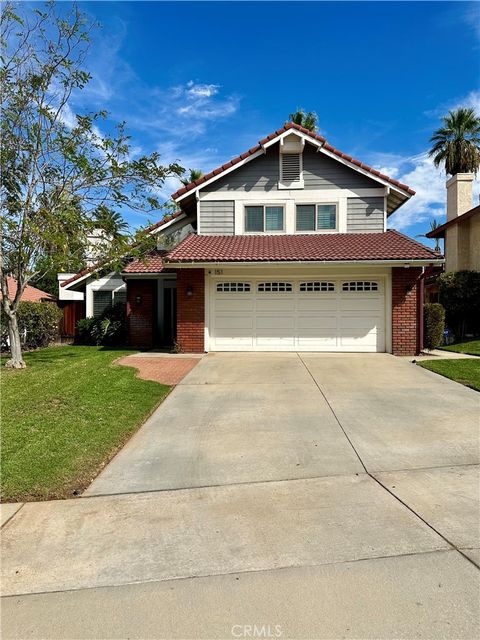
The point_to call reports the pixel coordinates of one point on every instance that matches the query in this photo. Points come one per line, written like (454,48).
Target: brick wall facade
(191,310)
(140,312)
(405,304)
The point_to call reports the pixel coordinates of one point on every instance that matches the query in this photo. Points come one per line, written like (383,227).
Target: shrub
(38,323)
(434,325)
(459,293)
(108,329)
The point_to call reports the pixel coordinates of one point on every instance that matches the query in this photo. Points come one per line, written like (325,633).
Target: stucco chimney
(459,194)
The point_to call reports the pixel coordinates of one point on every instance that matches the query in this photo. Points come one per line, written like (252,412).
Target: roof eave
(300,263)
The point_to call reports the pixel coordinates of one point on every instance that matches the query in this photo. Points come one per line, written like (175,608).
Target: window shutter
(291,167)
(305,217)
(326,216)
(274,218)
(101,301)
(254,218)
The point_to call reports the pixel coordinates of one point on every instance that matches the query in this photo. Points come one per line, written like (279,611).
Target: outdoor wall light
(138,299)
(189,291)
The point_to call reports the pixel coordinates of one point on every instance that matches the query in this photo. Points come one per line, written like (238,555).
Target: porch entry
(166,312)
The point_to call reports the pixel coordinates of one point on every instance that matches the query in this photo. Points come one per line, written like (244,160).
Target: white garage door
(330,314)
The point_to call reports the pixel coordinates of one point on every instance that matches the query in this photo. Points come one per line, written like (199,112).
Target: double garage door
(297,314)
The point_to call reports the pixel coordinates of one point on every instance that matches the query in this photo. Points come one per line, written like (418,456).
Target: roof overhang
(439,232)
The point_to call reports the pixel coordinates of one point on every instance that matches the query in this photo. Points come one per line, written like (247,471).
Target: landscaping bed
(466,371)
(65,416)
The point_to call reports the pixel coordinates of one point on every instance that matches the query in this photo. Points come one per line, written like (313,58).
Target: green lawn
(466,371)
(472,347)
(65,416)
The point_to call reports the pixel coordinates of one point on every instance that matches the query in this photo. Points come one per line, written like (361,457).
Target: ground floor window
(102,299)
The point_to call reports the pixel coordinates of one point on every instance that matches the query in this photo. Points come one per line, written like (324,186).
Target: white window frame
(296,184)
(336,204)
(264,205)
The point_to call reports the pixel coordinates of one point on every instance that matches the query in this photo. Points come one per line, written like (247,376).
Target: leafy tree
(433,226)
(59,172)
(457,143)
(308,120)
(194,174)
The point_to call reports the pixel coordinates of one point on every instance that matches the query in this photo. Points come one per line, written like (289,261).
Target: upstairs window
(259,219)
(320,217)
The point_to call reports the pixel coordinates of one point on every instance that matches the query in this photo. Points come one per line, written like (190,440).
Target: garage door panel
(281,303)
(231,322)
(317,322)
(317,303)
(234,304)
(293,317)
(274,322)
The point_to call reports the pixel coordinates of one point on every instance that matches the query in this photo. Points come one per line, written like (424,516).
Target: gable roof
(154,228)
(324,145)
(439,232)
(343,247)
(30,294)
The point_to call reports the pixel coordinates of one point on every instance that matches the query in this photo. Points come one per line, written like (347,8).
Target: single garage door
(330,314)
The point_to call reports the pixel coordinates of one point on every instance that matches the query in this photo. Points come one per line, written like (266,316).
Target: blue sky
(201,82)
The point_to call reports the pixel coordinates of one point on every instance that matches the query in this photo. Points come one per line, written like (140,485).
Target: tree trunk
(16,360)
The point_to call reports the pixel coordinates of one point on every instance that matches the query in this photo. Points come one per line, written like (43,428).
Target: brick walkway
(169,371)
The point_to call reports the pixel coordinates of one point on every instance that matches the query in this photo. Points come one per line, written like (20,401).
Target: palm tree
(433,225)
(457,143)
(307,120)
(110,222)
(194,174)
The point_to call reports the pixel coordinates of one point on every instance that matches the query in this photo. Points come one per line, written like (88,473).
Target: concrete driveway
(311,495)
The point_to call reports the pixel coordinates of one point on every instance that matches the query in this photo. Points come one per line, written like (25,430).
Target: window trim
(336,204)
(264,206)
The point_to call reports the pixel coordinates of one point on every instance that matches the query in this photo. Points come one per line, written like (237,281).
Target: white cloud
(419,173)
(472,100)
(202,90)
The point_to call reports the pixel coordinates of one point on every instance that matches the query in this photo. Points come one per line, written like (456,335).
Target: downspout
(421,299)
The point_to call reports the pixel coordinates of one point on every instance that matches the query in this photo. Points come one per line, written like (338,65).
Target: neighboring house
(30,294)
(461,231)
(290,251)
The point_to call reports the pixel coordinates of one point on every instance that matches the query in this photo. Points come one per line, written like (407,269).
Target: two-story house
(289,250)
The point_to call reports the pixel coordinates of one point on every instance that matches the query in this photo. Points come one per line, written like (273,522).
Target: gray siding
(365,215)
(217,217)
(260,174)
(319,172)
(322,172)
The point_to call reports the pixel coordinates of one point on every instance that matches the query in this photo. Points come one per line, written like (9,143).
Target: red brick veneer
(405,303)
(140,317)
(191,310)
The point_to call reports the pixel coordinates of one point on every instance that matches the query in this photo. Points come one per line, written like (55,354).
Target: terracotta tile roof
(440,231)
(275,134)
(30,294)
(151,263)
(101,263)
(390,245)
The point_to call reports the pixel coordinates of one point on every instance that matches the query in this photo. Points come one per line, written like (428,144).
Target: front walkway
(169,369)
(325,496)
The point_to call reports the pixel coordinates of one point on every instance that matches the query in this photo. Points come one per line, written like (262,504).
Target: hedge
(434,325)
(108,329)
(38,323)
(459,293)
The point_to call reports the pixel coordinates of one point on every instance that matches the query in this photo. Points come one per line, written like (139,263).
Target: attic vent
(291,167)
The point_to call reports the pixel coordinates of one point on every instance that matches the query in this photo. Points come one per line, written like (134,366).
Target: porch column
(191,310)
